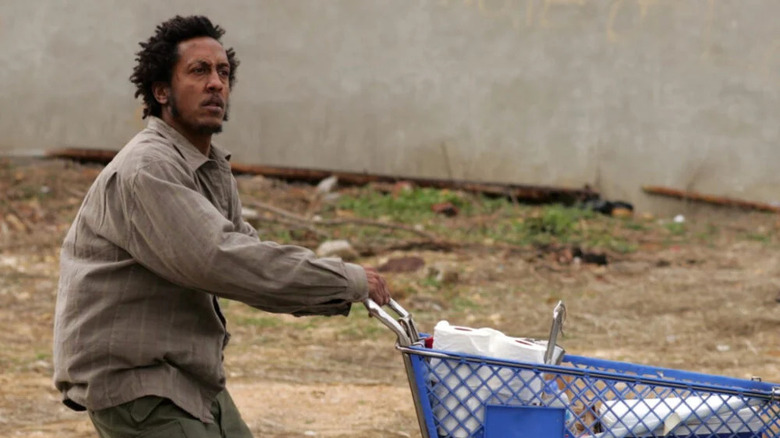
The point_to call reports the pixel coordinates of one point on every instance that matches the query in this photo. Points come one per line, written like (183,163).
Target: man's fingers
(378,290)
(385,290)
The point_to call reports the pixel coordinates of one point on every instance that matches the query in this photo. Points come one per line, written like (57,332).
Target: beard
(196,127)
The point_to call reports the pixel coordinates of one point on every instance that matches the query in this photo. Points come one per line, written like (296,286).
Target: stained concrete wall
(614,93)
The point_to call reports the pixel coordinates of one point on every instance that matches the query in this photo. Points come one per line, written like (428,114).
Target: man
(138,333)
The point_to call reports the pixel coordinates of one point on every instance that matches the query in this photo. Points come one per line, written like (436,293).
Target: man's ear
(161,90)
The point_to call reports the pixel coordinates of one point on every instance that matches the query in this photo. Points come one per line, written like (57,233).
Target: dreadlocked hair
(158,56)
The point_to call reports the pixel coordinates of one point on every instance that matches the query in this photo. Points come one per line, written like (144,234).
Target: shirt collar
(187,150)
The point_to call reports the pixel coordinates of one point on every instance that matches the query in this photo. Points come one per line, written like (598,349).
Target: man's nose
(215,82)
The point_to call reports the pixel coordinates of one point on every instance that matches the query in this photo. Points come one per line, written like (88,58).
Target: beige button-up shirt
(159,237)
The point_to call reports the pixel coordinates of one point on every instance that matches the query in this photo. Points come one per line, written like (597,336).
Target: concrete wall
(615,93)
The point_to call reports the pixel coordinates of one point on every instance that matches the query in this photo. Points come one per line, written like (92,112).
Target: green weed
(406,206)
(280,235)
(759,237)
(558,221)
(431,283)
(462,304)
(676,229)
(623,246)
(634,225)
(42,355)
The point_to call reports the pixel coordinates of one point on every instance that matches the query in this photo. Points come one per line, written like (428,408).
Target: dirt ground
(710,306)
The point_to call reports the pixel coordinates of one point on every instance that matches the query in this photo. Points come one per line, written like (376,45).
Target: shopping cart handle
(403,328)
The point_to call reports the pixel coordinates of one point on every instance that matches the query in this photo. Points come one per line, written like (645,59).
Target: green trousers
(156,417)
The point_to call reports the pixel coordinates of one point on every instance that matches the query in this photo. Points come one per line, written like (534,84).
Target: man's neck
(201,141)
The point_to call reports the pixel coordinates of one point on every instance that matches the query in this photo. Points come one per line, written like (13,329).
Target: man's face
(199,92)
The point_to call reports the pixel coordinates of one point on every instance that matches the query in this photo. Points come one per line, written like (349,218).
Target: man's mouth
(214,104)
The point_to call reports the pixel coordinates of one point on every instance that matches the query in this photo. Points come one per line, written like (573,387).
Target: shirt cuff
(357,287)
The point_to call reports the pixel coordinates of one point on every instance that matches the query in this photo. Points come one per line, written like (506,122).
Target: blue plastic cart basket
(463,396)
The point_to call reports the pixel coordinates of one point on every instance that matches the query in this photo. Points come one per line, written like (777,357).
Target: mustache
(214,100)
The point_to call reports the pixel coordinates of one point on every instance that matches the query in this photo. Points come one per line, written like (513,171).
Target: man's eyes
(223,72)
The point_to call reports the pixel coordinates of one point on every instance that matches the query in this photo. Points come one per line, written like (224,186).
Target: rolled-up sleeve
(179,235)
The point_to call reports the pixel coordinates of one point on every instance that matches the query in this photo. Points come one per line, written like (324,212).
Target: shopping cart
(458,396)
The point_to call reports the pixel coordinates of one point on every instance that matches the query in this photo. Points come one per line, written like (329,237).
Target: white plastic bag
(466,388)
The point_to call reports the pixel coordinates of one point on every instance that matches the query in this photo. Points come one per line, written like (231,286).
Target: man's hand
(377,287)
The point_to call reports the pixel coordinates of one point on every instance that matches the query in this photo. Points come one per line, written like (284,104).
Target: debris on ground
(445,208)
(100,156)
(534,194)
(593,258)
(337,248)
(249,214)
(722,201)
(327,185)
(609,208)
(402,264)
(444,273)
(568,255)
(401,187)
